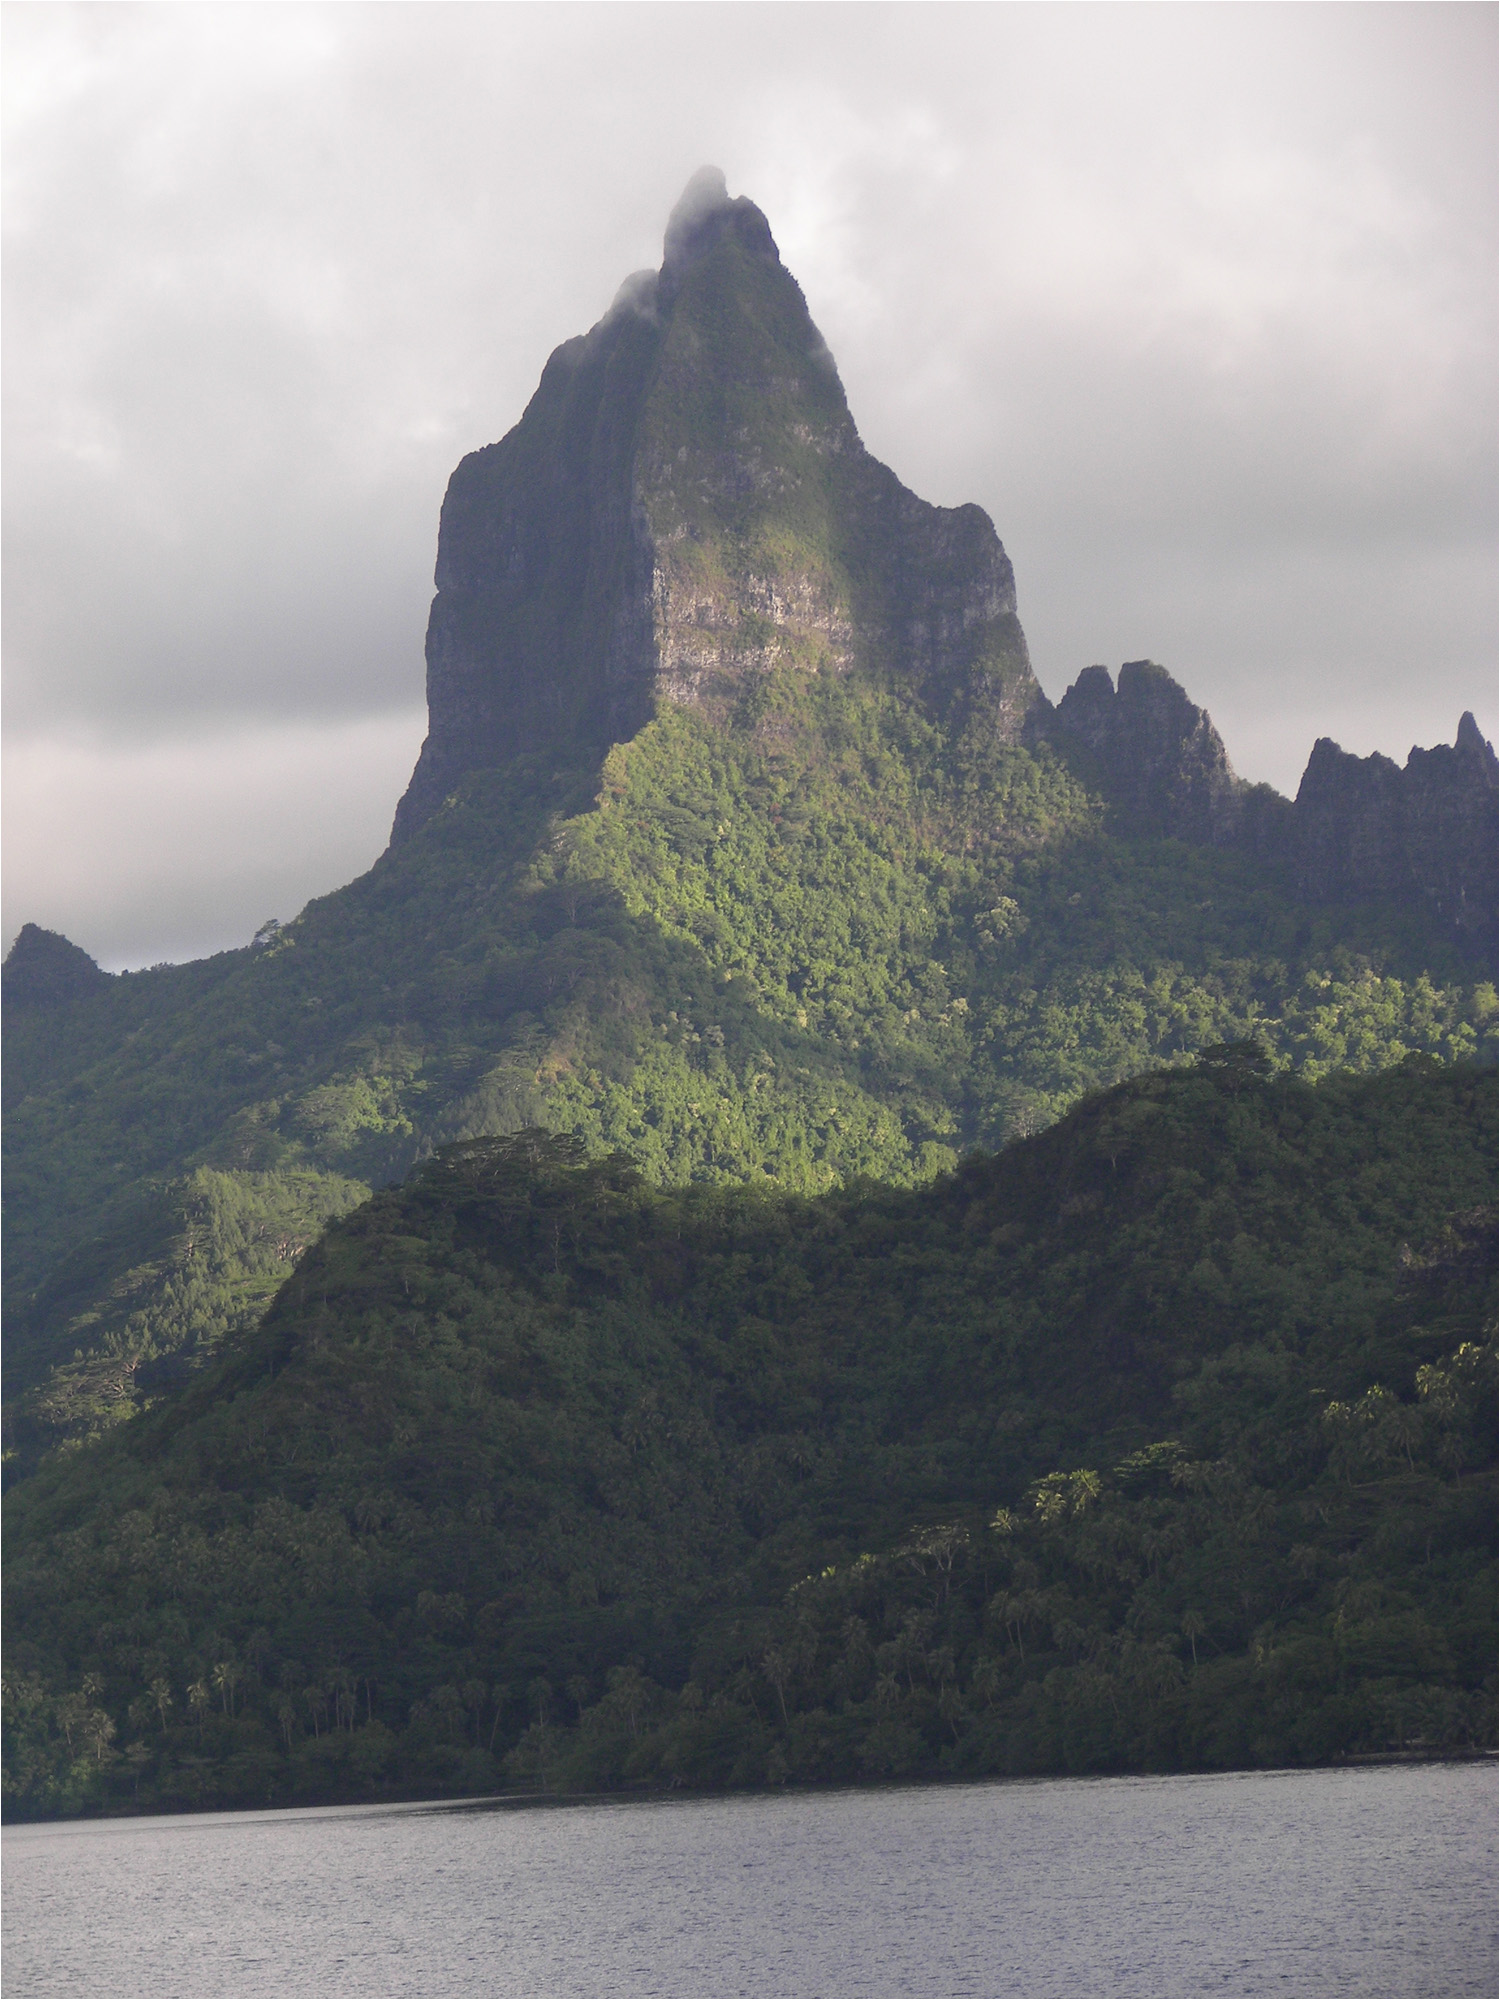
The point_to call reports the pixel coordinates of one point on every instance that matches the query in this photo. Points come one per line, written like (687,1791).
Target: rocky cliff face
(684,506)
(1361,830)
(1159,757)
(1368,829)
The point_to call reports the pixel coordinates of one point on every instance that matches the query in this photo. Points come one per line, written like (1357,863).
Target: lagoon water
(1368,1881)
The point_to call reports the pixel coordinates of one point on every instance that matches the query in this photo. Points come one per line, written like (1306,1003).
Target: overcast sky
(1197,301)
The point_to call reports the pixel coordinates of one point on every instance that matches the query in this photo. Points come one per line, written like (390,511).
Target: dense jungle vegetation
(1162,1438)
(825,940)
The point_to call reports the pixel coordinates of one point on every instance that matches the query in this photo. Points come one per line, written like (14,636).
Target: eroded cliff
(685,505)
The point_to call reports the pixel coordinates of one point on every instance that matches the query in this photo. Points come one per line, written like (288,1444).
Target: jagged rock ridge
(684,504)
(1159,755)
(1366,827)
(1359,830)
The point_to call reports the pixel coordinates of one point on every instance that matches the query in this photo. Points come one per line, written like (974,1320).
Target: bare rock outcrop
(1368,829)
(1361,829)
(685,505)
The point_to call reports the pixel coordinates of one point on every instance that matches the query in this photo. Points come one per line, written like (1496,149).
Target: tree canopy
(1162,1438)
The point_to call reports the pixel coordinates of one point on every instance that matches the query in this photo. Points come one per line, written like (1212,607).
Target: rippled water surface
(1372,1881)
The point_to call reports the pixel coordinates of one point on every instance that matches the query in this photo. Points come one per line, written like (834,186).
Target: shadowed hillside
(1163,1438)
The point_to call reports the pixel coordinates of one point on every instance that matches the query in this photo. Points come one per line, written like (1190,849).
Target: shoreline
(683,1794)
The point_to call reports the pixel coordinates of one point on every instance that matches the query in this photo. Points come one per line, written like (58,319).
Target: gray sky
(1197,301)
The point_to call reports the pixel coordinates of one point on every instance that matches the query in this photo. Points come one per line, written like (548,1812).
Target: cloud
(1197,302)
(194,842)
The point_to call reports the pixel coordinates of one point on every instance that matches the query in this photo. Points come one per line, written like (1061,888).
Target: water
(1369,1881)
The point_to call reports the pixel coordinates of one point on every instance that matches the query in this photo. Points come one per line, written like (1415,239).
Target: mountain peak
(45,969)
(706,192)
(1470,743)
(704,216)
(686,506)
(1158,754)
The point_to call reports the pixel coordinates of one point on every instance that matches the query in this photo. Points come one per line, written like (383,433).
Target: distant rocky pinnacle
(1368,828)
(1361,829)
(1159,756)
(685,504)
(45,969)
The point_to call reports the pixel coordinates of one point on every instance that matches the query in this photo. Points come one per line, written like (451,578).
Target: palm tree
(951,1706)
(1193,1630)
(72,1711)
(475,1694)
(777,1670)
(1406,1428)
(985,1680)
(226,1678)
(345,1699)
(317,1705)
(101,1732)
(628,1692)
(198,1700)
(500,1694)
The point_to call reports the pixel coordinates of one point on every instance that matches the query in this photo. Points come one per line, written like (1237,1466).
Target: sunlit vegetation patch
(818,940)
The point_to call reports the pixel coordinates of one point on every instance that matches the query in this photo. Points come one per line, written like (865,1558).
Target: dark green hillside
(1162,1438)
(829,940)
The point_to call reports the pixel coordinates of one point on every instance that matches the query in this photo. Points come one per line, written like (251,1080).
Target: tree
(160,1692)
(627,1694)
(476,1695)
(345,1698)
(316,1697)
(500,1693)
(226,1678)
(984,1680)
(777,1670)
(952,1706)
(100,1731)
(72,1713)
(199,1700)
(1193,1629)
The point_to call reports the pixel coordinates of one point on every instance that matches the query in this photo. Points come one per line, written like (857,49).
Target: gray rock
(685,505)
(1368,829)
(1361,830)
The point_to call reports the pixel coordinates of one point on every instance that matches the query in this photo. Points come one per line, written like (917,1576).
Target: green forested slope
(1165,1437)
(825,939)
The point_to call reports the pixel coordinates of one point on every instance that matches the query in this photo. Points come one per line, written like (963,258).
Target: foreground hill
(1163,1438)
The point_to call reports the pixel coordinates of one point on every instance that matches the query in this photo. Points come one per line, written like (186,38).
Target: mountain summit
(685,506)
(686,509)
